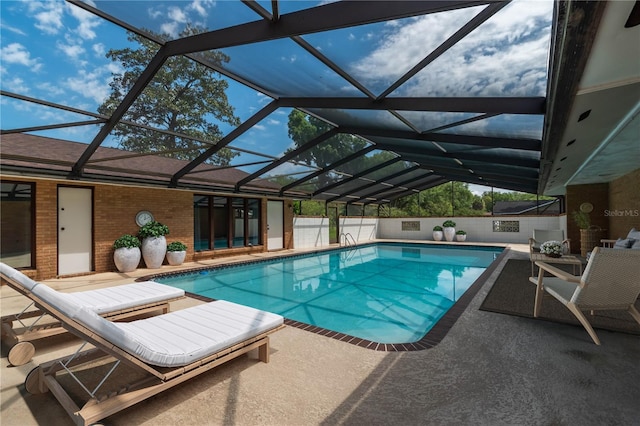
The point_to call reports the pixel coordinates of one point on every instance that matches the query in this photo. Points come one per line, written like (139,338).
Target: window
(17,222)
(224,222)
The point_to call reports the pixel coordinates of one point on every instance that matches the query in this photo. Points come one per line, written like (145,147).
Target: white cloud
(73,51)
(15,53)
(51,89)
(48,16)
(201,6)
(87,22)
(176,14)
(16,85)
(99,49)
(89,84)
(507,55)
(170,28)
(273,122)
(15,30)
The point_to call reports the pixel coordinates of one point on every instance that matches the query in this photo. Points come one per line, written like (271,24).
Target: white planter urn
(153,251)
(461,237)
(176,258)
(449,233)
(126,259)
(437,235)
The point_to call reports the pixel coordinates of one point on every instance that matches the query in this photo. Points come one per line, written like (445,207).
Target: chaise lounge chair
(114,303)
(166,349)
(611,281)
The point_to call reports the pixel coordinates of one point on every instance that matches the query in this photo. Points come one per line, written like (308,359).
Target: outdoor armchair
(611,281)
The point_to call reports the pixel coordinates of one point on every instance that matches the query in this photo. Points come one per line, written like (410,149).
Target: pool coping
(428,341)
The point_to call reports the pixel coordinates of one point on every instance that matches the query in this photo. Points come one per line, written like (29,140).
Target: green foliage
(153,229)
(510,196)
(183,97)
(126,241)
(449,224)
(176,246)
(437,228)
(461,232)
(582,219)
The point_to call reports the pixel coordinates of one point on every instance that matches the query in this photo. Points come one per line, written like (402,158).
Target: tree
(182,97)
(304,128)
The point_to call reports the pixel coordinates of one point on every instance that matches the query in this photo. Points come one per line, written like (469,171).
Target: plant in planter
(589,235)
(551,248)
(437,233)
(449,229)
(126,255)
(176,252)
(154,243)
(461,235)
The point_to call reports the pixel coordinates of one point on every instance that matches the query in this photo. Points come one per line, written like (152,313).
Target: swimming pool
(383,292)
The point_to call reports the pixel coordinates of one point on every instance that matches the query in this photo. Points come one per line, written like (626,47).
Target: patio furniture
(542,235)
(611,281)
(565,259)
(160,352)
(631,241)
(113,303)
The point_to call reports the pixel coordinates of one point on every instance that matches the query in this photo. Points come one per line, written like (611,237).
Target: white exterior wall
(478,228)
(362,229)
(310,232)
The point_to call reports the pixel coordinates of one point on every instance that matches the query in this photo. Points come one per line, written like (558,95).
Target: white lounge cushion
(108,299)
(17,276)
(174,339)
(126,296)
(184,336)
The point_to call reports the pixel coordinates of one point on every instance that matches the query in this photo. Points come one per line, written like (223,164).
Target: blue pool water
(386,293)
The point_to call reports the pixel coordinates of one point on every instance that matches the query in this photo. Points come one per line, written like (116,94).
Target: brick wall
(616,207)
(624,205)
(114,212)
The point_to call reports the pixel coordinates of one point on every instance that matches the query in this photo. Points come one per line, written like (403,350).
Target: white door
(74,230)
(275,225)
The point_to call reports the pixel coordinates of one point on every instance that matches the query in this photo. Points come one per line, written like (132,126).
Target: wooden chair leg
(583,320)
(634,313)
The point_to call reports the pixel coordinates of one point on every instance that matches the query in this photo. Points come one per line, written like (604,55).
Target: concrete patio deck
(490,369)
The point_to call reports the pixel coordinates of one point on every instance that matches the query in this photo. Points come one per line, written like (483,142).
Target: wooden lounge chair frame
(19,338)
(157,379)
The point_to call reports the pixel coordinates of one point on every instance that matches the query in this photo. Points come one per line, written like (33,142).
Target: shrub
(153,229)
(449,224)
(582,219)
(176,246)
(437,228)
(461,232)
(126,241)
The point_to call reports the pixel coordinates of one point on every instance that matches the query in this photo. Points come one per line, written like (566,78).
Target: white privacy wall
(362,229)
(310,232)
(477,228)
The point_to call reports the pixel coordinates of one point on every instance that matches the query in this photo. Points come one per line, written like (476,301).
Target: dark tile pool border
(428,341)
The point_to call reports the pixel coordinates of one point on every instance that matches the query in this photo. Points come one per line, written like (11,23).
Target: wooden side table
(564,260)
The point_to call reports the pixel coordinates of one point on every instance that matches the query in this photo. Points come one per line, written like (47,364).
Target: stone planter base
(153,251)
(126,259)
(449,233)
(176,258)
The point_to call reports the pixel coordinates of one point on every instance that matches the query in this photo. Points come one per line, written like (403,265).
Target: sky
(55,51)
